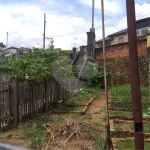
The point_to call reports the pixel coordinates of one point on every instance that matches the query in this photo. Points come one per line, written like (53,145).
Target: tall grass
(121,95)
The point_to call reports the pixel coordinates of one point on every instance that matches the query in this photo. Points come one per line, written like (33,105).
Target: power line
(99,27)
(18,40)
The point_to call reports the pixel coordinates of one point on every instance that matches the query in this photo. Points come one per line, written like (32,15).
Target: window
(138,32)
(142,31)
(121,39)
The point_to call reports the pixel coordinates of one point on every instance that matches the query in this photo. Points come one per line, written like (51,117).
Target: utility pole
(108,143)
(134,76)
(51,46)
(44,31)
(92,14)
(93,29)
(7,40)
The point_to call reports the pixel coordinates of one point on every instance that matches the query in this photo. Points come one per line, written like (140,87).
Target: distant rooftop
(119,32)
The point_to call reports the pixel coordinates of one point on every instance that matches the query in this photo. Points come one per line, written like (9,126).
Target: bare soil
(96,111)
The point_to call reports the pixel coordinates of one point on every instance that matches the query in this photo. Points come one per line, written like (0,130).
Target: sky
(67,21)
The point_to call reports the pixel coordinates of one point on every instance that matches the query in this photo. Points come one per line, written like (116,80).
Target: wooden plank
(46,95)
(4,90)
(15,101)
(50,86)
(7,117)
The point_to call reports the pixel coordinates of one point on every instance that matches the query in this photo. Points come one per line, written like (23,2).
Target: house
(122,36)
(8,51)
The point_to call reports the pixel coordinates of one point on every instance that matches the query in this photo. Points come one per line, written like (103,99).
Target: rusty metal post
(134,74)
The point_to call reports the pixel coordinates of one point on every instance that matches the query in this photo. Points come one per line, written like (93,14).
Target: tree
(94,73)
(36,66)
(2,45)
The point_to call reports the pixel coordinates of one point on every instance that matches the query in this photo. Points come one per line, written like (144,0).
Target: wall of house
(116,38)
(122,49)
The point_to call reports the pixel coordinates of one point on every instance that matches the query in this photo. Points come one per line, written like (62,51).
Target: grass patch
(82,95)
(36,135)
(121,113)
(68,108)
(125,145)
(99,142)
(121,96)
(146,127)
(129,145)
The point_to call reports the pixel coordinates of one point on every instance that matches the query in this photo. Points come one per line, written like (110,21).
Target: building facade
(142,26)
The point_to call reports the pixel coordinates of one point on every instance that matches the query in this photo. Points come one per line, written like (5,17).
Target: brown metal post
(134,73)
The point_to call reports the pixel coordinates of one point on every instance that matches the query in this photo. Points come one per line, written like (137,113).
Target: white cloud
(111,7)
(142,10)
(25,22)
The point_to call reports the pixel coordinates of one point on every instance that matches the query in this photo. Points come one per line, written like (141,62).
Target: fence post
(51,93)
(15,105)
(46,94)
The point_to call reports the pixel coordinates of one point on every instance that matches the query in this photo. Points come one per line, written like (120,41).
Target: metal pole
(7,40)
(44,31)
(92,14)
(134,74)
(108,143)
(104,57)
(148,53)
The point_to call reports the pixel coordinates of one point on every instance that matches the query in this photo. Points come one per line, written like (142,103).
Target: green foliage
(2,45)
(99,142)
(36,65)
(94,73)
(129,145)
(147,113)
(121,95)
(61,69)
(35,135)
(82,95)
(119,71)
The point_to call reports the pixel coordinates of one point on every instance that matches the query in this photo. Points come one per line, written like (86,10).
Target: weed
(82,95)
(125,145)
(36,135)
(121,96)
(121,113)
(129,145)
(99,142)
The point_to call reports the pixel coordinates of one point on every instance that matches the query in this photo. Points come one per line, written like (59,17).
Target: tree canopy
(38,65)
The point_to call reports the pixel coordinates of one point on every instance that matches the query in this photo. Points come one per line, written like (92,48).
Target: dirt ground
(96,111)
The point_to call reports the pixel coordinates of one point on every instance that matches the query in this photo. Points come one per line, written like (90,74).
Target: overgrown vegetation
(144,35)
(34,131)
(94,73)
(38,65)
(119,71)
(129,145)
(82,95)
(121,96)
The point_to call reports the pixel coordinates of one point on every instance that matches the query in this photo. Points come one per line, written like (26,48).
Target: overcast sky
(67,21)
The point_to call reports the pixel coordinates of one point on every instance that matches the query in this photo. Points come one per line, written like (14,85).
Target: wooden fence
(19,102)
